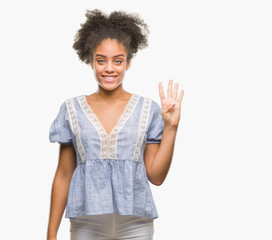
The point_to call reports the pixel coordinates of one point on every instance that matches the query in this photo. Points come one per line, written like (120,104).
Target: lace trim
(75,128)
(108,141)
(142,127)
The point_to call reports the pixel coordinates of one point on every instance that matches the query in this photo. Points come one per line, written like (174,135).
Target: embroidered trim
(142,127)
(108,141)
(75,128)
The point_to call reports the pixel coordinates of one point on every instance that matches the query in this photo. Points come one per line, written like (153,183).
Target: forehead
(110,48)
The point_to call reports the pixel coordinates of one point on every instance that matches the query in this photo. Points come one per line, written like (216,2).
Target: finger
(167,108)
(161,92)
(169,89)
(180,95)
(175,92)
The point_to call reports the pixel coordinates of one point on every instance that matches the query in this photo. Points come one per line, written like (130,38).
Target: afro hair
(127,28)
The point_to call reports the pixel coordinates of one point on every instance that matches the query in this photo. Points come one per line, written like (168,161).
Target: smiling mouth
(109,78)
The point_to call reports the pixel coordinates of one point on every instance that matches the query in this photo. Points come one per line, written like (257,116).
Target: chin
(109,88)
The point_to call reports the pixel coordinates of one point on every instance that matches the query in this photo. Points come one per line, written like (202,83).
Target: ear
(128,64)
(91,63)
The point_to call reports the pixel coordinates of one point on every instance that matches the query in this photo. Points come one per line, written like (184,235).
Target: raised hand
(171,104)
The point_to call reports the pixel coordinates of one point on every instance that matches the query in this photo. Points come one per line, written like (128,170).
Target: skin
(110,99)
(60,187)
(110,59)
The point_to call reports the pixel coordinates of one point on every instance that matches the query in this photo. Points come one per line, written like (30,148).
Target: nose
(109,67)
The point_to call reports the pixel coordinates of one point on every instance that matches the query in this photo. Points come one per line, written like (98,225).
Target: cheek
(122,68)
(97,69)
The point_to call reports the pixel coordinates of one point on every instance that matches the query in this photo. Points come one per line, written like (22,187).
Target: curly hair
(127,28)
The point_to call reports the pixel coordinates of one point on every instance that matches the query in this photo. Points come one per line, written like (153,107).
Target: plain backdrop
(219,184)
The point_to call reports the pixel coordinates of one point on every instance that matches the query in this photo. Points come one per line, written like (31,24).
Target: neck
(117,93)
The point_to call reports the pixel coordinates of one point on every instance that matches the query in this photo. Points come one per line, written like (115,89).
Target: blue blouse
(110,176)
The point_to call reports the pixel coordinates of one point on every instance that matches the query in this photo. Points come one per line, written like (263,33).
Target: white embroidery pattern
(108,141)
(75,128)
(142,127)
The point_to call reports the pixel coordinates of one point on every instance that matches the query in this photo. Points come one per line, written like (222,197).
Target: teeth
(109,78)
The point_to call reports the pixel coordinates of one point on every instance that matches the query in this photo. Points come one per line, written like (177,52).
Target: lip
(109,78)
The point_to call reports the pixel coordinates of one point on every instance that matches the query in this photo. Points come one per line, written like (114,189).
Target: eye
(118,61)
(101,61)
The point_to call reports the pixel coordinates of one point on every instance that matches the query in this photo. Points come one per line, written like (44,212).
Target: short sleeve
(155,128)
(60,130)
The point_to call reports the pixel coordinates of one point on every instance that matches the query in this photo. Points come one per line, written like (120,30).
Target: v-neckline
(94,118)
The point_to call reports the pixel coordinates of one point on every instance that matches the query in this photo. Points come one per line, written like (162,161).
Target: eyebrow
(100,55)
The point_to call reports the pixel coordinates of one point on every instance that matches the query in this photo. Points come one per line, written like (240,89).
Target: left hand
(171,105)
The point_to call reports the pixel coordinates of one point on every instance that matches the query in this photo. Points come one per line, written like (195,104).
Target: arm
(158,157)
(60,187)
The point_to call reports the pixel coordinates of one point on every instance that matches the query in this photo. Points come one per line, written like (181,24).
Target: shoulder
(73,99)
(153,104)
(64,105)
(149,105)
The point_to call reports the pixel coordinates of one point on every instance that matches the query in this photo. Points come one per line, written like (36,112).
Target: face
(110,64)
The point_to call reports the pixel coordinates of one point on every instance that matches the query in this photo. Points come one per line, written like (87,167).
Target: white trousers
(111,226)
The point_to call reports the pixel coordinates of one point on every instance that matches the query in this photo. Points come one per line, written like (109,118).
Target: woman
(112,142)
